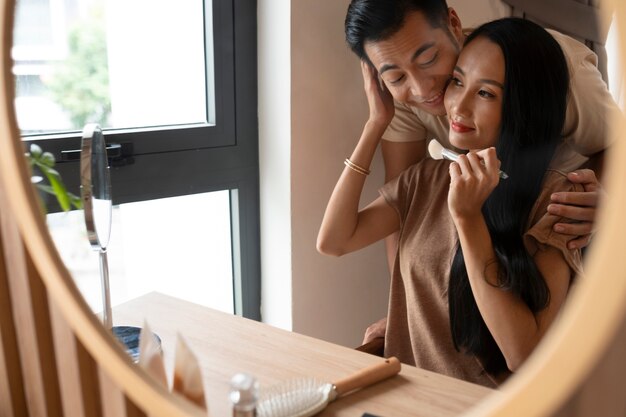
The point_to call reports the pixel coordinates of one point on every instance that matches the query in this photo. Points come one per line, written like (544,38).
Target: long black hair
(536,86)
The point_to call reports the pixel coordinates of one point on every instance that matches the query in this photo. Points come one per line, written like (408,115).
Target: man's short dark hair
(376,20)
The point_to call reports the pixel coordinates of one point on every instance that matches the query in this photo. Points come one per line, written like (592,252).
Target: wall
(307,71)
(274,57)
(334,298)
(475,12)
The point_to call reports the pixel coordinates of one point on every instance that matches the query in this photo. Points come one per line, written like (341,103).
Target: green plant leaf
(77,202)
(35,151)
(47,171)
(47,159)
(60,191)
(44,161)
(45,188)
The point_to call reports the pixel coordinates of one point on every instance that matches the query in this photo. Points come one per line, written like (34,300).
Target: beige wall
(475,12)
(334,298)
(308,72)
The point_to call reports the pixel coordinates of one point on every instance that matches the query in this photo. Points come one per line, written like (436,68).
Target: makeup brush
(308,396)
(437,151)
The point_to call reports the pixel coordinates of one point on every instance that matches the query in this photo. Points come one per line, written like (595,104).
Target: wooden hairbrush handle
(368,376)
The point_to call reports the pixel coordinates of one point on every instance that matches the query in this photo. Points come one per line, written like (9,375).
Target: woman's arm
(344,228)
(515,328)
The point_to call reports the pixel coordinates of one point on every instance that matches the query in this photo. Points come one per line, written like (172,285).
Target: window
(175,87)
(92,62)
(188,256)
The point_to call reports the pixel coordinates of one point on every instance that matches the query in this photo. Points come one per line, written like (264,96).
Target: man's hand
(379,98)
(577,206)
(375,330)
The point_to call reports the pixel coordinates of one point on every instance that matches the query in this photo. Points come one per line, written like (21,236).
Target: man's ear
(455,25)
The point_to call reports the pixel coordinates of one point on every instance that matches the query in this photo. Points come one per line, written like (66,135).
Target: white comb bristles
(435,149)
(294,398)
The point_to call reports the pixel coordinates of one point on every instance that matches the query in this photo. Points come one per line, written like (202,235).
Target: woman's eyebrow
(492,82)
(482,80)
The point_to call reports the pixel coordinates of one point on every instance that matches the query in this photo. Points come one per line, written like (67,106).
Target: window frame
(169,161)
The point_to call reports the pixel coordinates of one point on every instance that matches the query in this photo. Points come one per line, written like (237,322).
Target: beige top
(587,122)
(418,327)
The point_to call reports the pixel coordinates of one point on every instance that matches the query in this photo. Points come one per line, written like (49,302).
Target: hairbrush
(307,396)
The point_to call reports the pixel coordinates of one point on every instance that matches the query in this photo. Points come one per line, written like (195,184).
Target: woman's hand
(378,97)
(472,179)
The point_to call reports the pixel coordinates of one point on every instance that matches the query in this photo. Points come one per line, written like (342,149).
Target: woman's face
(473,99)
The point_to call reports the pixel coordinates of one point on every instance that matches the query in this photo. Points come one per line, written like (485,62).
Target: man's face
(415,63)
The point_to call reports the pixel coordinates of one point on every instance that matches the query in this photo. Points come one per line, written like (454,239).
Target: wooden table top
(226,344)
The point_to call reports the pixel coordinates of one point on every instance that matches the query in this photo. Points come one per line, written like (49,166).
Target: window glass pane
(178,246)
(119,63)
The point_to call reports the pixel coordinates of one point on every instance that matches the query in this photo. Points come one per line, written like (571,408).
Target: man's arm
(587,129)
(596,164)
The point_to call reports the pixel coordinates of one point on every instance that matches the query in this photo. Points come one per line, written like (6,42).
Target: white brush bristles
(435,149)
(295,398)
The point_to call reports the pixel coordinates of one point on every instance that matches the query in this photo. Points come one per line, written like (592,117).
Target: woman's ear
(455,26)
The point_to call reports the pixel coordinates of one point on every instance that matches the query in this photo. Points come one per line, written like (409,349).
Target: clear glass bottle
(243,395)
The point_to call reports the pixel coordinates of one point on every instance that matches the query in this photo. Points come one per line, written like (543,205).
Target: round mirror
(95,185)
(587,325)
(95,190)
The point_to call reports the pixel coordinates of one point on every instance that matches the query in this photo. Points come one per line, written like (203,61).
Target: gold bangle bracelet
(355,167)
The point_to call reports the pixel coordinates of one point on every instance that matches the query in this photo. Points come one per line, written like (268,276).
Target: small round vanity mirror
(95,190)
(95,186)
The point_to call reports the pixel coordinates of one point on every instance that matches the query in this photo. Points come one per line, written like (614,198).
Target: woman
(479,276)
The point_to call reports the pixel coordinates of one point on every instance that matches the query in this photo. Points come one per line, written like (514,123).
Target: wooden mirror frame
(589,321)
(144,391)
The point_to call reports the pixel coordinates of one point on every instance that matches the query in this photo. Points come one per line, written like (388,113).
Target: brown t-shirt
(418,326)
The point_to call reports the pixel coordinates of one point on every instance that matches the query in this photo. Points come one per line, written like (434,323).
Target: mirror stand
(95,189)
(107,316)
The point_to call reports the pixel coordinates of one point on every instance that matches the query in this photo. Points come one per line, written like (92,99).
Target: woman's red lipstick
(460,128)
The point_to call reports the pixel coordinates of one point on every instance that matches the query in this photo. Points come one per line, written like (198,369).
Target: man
(414,45)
